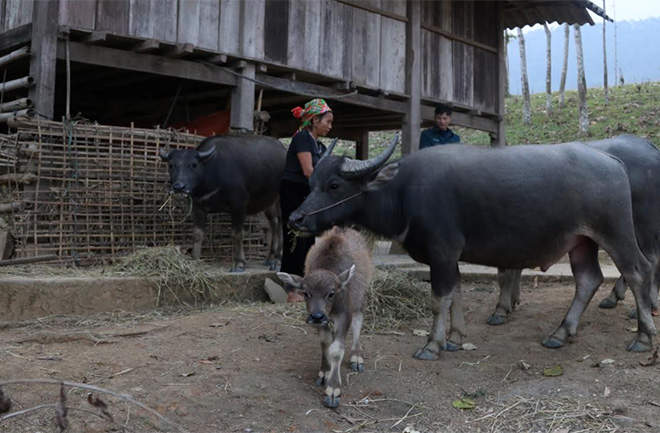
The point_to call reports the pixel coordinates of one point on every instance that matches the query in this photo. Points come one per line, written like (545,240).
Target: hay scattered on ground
(172,272)
(545,415)
(393,298)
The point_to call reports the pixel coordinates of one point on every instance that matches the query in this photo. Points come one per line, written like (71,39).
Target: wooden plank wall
(360,41)
(456,66)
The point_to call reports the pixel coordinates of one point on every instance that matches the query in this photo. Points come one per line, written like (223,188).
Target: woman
(303,154)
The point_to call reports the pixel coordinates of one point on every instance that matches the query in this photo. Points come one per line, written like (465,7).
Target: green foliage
(632,109)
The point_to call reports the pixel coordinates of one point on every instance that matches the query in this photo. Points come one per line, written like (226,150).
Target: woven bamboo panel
(102,192)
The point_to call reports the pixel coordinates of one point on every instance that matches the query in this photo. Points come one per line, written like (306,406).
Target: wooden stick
(16,84)
(21,53)
(25,260)
(18,104)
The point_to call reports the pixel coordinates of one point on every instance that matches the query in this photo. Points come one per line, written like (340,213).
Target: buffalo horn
(164,155)
(206,153)
(328,150)
(354,168)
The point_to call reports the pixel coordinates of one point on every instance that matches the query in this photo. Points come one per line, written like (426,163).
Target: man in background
(440,133)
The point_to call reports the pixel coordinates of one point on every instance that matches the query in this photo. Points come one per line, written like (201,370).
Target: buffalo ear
(346,276)
(165,155)
(384,175)
(294,281)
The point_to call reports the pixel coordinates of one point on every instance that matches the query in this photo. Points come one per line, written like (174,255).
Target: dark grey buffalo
(513,207)
(237,175)
(642,160)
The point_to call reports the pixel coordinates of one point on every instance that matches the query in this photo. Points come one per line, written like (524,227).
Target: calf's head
(320,288)
(335,189)
(185,168)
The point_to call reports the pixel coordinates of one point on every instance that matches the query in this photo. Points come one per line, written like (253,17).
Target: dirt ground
(251,368)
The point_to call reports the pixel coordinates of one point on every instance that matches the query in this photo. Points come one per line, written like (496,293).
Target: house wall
(360,41)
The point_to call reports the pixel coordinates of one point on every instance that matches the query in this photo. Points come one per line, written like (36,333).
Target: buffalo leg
(239,255)
(638,273)
(509,281)
(588,277)
(326,338)
(275,224)
(199,226)
(617,294)
(357,362)
(334,356)
(457,325)
(443,281)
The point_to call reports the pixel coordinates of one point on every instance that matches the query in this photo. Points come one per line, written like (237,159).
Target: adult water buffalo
(238,175)
(642,160)
(513,207)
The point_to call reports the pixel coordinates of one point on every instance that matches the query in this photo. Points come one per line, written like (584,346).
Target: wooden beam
(317,91)
(114,58)
(455,37)
(218,59)
(242,101)
(362,146)
(411,127)
(96,37)
(179,50)
(16,38)
(43,62)
(146,46)
(366,7)
(462,119)
(498,138)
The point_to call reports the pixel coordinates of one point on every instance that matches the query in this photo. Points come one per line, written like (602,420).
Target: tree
(582,82)
(548,70)
(507,38)
(564,68)
(605,57)
(527,112)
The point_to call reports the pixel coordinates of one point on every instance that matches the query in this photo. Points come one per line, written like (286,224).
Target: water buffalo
(238,175)
(642,160)
(338,271)
(513,207)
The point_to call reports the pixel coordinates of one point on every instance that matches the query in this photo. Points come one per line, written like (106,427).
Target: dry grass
(172,272)
(392,299)
(545,415)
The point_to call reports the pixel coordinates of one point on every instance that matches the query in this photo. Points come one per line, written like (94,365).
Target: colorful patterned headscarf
(312,108)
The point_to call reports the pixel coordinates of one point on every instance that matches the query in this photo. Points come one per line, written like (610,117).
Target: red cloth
(212,124)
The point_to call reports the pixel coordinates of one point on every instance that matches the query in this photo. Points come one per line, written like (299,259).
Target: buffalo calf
(338,271)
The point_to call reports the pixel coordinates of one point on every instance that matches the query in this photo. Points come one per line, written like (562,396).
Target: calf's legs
(275,224)
(509,281)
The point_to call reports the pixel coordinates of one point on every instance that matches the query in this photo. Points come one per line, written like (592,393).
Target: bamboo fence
(90,191)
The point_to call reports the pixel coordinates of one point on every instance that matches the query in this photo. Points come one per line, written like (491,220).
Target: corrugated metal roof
(520,13)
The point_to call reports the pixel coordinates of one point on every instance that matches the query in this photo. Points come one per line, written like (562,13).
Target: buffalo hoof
(607,304)
(331,402)
(496,319)
(639,346)
(552,343)
(357,367)
(633,313)
(320,381)
(239,269)
(451,347)
(426,355)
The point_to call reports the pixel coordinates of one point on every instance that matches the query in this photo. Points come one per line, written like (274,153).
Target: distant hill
(638,55)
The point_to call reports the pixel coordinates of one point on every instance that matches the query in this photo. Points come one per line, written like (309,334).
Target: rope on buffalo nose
(334,204)
(171,208)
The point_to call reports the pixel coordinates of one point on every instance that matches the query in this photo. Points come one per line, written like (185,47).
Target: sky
(626,10)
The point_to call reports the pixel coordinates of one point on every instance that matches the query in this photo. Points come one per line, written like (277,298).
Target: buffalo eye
(334,185)
(194,165)
(171,166)
(306,295)
(331,295)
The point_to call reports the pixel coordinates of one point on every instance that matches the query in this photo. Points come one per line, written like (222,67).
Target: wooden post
(45,23)
(413,118)
(242,101)
(499,138)
(362,146)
